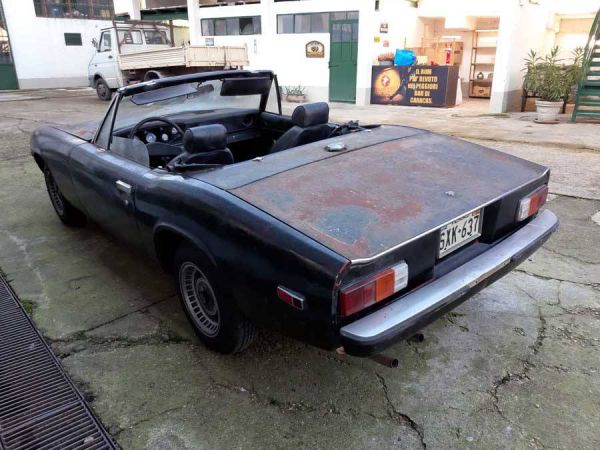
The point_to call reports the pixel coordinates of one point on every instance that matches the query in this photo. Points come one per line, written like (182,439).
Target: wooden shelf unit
(484,45)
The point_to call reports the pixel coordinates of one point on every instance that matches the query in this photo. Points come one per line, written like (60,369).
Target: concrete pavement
(514,367)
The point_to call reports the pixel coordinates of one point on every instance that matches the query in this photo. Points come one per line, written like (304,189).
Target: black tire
(67,213)
(149,76)
(215,318)
(102,90)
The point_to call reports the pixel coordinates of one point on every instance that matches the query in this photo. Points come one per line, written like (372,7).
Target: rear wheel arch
(166,242)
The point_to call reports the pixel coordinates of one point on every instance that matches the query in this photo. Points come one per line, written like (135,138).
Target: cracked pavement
(516,366)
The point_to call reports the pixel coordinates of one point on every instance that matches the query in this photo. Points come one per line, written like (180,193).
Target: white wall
(455,8)
(42,60)
(523,26)
(285,53)
(570,34)
(576,7)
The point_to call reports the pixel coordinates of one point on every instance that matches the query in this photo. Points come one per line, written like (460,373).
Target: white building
(47,43)
(277,33)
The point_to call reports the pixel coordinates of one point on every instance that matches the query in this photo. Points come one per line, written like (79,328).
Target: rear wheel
(102,90)
(214,317)
(67,213)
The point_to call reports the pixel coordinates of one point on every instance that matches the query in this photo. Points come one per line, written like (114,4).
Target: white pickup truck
(130,52)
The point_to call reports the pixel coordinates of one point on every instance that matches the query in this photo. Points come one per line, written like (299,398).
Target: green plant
(295,90)
(548,77)
(574,69)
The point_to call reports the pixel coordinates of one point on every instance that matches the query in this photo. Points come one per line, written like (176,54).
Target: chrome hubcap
(199,299)
(55,196)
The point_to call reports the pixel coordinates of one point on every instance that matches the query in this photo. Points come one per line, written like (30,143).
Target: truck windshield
(185,98)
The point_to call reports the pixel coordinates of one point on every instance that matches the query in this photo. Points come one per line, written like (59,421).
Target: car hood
(388,186)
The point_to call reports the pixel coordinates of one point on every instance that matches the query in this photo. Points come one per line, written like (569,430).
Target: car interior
(223,136)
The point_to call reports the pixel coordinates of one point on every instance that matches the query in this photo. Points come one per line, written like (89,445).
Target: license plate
(459,232)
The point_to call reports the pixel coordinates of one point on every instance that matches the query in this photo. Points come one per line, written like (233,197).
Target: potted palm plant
(295,94)
(551,81)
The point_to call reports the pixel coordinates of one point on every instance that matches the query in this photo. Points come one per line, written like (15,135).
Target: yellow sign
(315,49)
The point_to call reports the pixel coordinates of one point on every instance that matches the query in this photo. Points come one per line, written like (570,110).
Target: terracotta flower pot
(296,98)
(547,112)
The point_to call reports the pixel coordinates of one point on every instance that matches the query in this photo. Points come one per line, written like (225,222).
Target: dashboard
(241,125)
(163,133)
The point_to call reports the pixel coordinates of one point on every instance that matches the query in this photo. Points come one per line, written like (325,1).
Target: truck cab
(104,70)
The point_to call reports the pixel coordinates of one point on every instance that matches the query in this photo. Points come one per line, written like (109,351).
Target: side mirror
(95,43)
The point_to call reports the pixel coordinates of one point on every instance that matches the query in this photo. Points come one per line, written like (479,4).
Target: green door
(8,76)
(342,60)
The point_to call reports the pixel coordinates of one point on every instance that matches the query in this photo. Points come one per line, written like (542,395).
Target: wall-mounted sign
(386,43)
(315,49)
(377,39)
(209,41)
(383,27)
(414,85)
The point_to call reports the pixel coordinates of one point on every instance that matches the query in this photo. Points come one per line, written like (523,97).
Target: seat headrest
(205,138)
(311,114)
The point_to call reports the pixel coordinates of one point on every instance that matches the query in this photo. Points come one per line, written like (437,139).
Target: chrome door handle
(123,187)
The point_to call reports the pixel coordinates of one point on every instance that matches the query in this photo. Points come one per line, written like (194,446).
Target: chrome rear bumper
(418,308)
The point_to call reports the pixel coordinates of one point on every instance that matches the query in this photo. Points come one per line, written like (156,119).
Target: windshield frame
(128,91)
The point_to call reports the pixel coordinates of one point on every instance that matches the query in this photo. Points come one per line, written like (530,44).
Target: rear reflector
(373,289)
(290,297)
(531,204)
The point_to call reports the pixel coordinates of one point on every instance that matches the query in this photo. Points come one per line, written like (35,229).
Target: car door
(105,61)
(106,184)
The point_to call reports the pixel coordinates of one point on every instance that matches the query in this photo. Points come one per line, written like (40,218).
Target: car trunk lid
(390,186)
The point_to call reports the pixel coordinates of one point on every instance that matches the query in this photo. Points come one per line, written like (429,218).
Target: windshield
(195,97)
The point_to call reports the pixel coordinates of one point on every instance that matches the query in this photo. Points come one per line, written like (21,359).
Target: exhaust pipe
(385,360)
(419,337)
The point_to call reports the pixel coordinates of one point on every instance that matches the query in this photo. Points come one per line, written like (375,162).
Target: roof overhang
(165,13)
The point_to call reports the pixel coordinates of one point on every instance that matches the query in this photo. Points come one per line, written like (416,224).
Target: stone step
(588,113)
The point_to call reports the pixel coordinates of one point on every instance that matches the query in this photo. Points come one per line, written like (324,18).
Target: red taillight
(371,290)
(531,204)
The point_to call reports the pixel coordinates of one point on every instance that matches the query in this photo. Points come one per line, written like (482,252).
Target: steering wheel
(142,122)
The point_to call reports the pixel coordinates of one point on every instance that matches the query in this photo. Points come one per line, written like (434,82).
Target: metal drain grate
(39,406)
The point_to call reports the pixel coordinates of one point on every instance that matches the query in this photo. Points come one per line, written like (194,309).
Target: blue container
(404,58)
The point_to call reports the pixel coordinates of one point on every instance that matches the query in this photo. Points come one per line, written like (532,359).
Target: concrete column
(523,26)
(194,22)
(132,7)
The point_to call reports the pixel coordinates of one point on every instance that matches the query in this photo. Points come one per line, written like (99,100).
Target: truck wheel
(215,318)
(67,213)
(102,90)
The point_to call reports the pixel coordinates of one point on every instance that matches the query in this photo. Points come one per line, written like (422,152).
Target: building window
(231,26)
(73,39)
(211,3)
(75,9)
(311,22)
